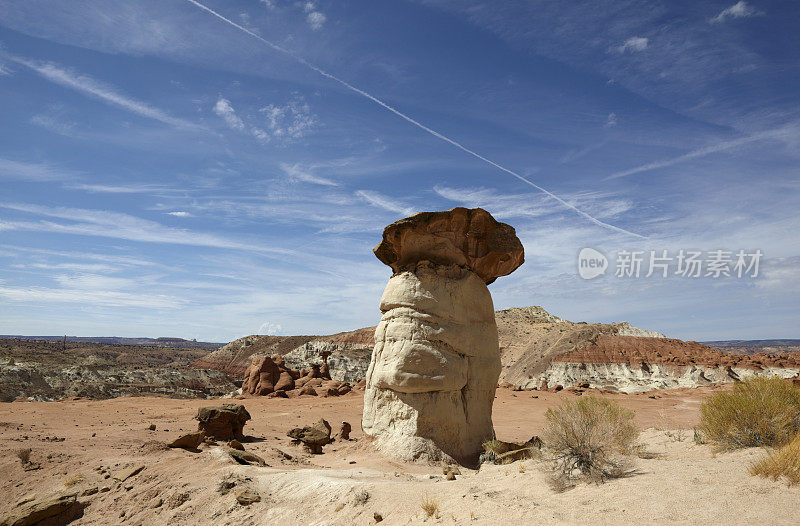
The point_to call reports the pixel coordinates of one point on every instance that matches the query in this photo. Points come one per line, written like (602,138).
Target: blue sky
(165,172)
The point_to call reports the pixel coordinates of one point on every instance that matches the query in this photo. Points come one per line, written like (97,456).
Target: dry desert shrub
(759,412)
(430,505)
(501,452)
(24,455)
(361,498)
(783,463)
(591,438)
(74,479)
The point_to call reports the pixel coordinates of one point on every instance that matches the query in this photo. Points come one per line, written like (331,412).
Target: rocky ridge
(46,371)
(630,364)
(540,349)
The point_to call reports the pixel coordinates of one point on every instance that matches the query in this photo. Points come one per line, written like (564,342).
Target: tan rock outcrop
(267,374)
(57,509)
(431,380)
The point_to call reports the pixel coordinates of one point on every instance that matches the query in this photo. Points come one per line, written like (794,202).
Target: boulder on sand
(313,437)
(225,422)
(189,441)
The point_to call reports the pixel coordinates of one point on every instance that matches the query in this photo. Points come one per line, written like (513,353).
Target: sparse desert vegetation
(184,487)
(590,437)
(77,478)
(24,455)
(757,412)
(430,505)
(782,464)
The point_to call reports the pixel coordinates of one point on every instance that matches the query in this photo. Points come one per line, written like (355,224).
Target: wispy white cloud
(94,88)
(34,172)
(118,225)
(84,296)
(290,121)
(179,213)
(531,205)
(270,328)
(296,172)
(125,261)
(788,133)
(118,189)
(224,109)
(285,123)
(611,120)
(576,154)
(413,121)
(54,124)
(738,10)
(90,281)
(387,203)
(88,268)
(315,19)
(633,45)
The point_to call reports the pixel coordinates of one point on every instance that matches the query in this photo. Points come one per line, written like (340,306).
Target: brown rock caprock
(434,370)
(225,422)
(466,237)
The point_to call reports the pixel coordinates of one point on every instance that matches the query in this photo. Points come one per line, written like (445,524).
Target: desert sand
(683,482)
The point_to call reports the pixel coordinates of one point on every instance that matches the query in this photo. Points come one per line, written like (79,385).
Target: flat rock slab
(190,441)
(124,474)
(58,509)
(245,457)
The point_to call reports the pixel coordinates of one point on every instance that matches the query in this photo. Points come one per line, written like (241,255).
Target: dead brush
(430,505)
(77,478)
(24,455)
(783,463)
(361,498)
(590,438)
(501,452)
(758,412)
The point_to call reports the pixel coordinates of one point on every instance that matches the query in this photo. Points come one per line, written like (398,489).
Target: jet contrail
(702,152)
(415,123)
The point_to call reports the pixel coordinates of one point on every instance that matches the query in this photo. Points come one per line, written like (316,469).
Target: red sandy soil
(685,482)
